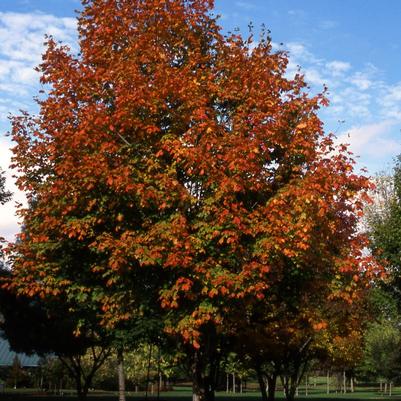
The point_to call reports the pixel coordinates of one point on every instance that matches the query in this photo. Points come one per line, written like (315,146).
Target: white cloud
(361,81)
(298,14)
(300,52)
(21,38)
(360,98)
(327,24)
(314,76)
(350,103)
(8,219)
(372,140)
(245,5)
(390,101)
(353,93)
(337,68)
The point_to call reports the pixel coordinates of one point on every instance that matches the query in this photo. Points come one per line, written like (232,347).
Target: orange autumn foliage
(166,147)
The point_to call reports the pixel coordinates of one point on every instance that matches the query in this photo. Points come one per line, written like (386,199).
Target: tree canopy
(171,164)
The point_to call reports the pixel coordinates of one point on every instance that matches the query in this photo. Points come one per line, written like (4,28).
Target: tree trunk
(148,371)
(272,382)
(204,365)
(121,375)
(202,382)
(328,382)
(290,387)
(262,385)
(306,385)
(344,382)
(82,389)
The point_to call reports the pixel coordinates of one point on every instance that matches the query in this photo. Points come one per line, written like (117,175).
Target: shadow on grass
(363,396)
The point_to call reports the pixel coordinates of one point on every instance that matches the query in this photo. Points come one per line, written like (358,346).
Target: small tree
(383,226)
(16,373)
(382,354)
(47,326)
(52,374)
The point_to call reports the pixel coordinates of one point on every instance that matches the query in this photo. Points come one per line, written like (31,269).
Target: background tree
(17,374)
(381,345)
(43,326)
(4,194)
(52,375)
(382,353)
(383,218)
(383,224)
(169,162)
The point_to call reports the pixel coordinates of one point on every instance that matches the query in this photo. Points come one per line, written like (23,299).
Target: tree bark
(202,386)
(204,365)
(328,382)
(262,385)
(306,385)
(290,384)
(344,382)
(198,390)
(148,371)
(272,382)
(82,390)
(121,375)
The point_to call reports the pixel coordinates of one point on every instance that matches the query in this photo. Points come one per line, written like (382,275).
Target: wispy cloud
(371,139)
(21,38)
(390,101)
(8,218)
(368,106)
(327,24)
(337,68)
(246,5)
(297,13)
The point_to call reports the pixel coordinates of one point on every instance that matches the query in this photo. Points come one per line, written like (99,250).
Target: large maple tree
(170,159)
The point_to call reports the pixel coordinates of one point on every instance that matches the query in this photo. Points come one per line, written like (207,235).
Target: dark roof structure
(7,356)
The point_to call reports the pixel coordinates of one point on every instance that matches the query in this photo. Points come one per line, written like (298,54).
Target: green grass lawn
(184,394)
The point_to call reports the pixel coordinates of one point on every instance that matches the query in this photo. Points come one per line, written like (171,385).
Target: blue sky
(351,46)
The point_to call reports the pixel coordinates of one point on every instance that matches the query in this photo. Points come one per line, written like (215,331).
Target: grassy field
(184,394)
